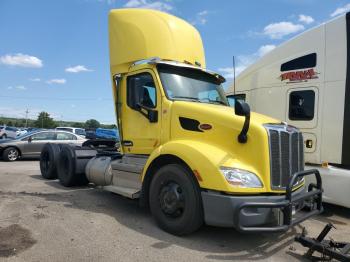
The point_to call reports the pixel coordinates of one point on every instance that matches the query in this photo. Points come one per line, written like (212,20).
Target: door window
(43,136)
(65,136)
(141,89)
(302,105)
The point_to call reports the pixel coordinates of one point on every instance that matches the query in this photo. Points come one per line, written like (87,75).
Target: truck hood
(223,134)
(220,114)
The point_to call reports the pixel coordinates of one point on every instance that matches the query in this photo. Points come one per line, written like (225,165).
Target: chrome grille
(286,153)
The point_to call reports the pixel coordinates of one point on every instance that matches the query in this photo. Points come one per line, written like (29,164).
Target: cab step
(124,191)
(127,175)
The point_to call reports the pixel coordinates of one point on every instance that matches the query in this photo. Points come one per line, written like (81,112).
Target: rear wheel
(10,154)
(48,160)
(175,200)
(66,168)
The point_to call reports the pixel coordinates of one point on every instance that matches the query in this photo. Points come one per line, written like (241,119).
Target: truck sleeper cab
(185,152)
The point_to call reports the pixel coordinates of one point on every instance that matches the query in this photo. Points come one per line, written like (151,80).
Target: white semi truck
(306,82)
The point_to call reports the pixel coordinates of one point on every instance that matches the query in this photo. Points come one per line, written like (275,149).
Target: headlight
(241,178)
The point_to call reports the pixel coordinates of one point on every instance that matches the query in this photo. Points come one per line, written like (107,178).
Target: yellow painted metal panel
(137,34)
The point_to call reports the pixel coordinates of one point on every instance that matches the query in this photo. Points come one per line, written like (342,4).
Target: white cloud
(157,5)
(227,72)
(21,60)
(263,50)
(35,79)
(77,69)
(17,87)
(281,29)
(201,18)
(242,61)
(56,81)
(306,19)
(341,10)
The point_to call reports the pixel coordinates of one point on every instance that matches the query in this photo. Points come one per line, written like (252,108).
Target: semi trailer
(184,152)
(306,82)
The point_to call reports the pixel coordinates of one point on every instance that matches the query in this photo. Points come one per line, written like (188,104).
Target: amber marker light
(205,126)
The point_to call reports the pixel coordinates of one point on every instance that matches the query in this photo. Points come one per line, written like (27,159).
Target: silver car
(7,132)
(31,144)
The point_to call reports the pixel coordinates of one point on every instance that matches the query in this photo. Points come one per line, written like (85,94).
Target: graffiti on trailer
(299,76)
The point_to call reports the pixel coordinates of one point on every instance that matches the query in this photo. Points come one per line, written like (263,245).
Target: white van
(77,131)
(306,82)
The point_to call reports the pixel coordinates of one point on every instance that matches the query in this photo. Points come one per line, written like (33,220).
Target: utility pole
(27,118)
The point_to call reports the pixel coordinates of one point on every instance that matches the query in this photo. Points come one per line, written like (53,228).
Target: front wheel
(175,200)
(10,154)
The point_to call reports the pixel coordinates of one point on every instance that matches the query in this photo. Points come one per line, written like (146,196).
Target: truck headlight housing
(241,178)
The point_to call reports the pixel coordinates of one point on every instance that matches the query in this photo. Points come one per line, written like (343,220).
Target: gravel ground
(40,220)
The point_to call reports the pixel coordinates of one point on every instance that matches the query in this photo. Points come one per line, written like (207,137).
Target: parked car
(31,144)
(103,133)
(7,132)
(21,132)
(78,131)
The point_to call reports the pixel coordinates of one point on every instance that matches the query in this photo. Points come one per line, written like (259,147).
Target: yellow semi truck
(185,153)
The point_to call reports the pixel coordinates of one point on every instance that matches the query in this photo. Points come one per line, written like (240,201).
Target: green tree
(92,123)
(78,125)
(45,121)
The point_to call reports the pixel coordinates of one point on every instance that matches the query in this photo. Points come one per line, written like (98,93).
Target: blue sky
(54,53)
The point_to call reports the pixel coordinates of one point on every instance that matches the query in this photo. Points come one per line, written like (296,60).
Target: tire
(175,200)
(66,168)
(48,160)
(10,154)
(4,136)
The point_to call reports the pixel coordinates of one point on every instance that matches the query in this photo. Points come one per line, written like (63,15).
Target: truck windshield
(190,84)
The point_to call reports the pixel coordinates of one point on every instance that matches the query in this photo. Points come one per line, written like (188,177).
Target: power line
(58,98)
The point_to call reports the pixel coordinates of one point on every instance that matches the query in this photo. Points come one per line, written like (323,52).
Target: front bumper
(271,213)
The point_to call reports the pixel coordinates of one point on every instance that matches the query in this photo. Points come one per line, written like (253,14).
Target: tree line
(44,120)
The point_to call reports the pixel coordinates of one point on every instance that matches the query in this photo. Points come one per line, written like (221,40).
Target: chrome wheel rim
(13,155)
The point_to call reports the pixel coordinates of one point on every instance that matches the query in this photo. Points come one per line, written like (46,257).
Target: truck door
(140,117)
(302,112)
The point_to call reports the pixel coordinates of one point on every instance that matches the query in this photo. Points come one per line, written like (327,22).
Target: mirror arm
(142,113)
(140,106)
(242,137)
(144,107)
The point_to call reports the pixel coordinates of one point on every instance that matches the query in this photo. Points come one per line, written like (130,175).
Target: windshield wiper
(215,101)
(188,98)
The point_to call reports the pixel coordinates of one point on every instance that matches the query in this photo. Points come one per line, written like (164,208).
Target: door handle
(127,143)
